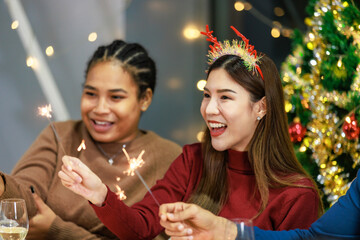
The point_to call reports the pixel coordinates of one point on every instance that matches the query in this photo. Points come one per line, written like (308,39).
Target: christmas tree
(321,80)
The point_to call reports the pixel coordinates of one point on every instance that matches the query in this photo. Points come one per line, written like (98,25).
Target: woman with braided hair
(119,85)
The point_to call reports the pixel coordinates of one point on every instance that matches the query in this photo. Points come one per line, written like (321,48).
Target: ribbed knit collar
(239,161)
(113,147)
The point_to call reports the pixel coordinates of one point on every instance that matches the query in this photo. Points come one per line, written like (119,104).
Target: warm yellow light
(323,165)
(49,51)
(339,63)
(302,148)
(174,83)
(298,70)
(286,32)
(92,37)
(248,6)
(30,61)
(345,4)
(15,24)
(348,119)
(310,46)
(191,32)
(275,32)
(279,11)
(201,84)
(308,21)
(311,36)
(288,106)
(239,6)
(199,136)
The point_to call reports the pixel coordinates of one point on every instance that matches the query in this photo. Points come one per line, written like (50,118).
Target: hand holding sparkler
(77,177)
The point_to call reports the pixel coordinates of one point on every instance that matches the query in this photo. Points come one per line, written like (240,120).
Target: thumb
(41,206)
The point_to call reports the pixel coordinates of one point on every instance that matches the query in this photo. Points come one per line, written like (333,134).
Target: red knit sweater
(288,207)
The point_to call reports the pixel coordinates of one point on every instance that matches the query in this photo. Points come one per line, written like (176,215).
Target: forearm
(62,230)
(296,234)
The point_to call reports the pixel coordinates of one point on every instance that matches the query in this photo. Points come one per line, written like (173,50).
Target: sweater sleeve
(341,221)
(299,212)
(36,168)
(141,221)
(61,230)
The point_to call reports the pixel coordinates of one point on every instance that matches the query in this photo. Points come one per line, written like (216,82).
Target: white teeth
(101,123)
(216,125)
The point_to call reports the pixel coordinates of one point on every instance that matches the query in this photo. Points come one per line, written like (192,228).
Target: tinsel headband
(242,49)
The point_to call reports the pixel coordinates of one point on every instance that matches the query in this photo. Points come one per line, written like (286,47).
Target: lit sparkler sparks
(81,146)
(136,163)
(120,193)
(45,111)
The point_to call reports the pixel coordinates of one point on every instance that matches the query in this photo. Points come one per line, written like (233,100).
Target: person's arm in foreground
(341,221)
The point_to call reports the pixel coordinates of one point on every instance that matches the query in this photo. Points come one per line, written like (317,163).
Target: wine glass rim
(12,200)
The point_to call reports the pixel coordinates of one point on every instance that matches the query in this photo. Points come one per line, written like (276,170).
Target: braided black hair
(133,58)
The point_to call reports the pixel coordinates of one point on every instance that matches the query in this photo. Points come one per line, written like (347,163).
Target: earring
(258,118)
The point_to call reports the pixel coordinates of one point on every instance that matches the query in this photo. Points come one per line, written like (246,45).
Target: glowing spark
(120,193)
(45,111)
(81,146)
(134,163)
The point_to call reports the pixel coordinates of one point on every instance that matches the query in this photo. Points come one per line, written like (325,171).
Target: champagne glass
(239,228)
(14,221)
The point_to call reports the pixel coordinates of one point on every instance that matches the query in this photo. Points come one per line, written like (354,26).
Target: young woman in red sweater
(244,167)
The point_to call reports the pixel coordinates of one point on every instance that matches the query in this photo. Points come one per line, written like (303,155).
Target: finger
(170,208)
(172,226)
(188,212)
(72,167)
(182,238)
(68,178)
(184,233)
(41,206)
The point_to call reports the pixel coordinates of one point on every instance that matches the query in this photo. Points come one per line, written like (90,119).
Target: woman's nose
(212,107)
(101,106)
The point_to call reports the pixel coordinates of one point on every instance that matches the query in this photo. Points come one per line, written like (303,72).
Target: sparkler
(81,146)
(136,163)
(46,112)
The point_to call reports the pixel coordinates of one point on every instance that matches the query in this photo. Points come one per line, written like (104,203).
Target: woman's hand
(40,224)
(189,221)
(77,177)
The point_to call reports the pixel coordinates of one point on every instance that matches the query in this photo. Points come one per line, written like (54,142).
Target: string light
(199,136)
(275,32)
(239,6)
(191,32)
(278,11)
(49,51)
(15,24)
(92,37)
(201,84)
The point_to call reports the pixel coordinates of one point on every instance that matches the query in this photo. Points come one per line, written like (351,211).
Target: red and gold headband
(243,49)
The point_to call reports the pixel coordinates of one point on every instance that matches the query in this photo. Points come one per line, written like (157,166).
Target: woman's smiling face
(228,112)
(110,107)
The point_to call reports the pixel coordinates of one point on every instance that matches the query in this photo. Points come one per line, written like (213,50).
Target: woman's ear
(146,99)
(261,111)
